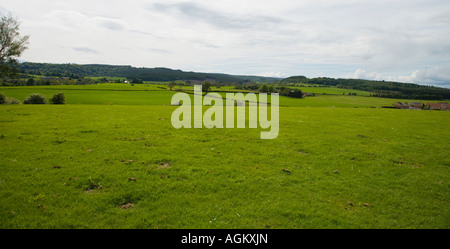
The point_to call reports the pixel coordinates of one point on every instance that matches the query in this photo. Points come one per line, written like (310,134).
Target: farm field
(147,94)
(331,90)
(110,158)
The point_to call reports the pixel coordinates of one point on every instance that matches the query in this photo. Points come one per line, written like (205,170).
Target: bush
(7,100)
(137,81)
(2,98)
(58,99)
(266,89)
(35,98)
(293,93)
(263,88)
(12,101)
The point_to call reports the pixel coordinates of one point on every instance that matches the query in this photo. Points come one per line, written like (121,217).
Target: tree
(206,87)
(30,82)
(295,93)
(58,99)
(137,81)
(2,98)
(35,98)
(11,44)
(171,85)
(263,88)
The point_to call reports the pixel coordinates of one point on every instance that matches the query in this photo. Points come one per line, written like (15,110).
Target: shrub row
(35,98)
(7,100)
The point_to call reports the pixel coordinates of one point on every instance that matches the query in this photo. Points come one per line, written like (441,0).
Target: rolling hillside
(383,89)
(146,74)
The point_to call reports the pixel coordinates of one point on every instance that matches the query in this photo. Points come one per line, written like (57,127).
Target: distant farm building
(401,105)
(416,106)
(434,106)
(443,106)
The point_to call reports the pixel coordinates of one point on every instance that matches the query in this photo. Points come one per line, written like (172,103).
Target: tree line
(270,88)
(385,89)
(76,71)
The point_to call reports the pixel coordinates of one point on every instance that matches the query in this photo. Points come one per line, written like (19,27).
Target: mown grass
(125,166)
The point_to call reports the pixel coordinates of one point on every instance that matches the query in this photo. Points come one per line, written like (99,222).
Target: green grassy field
(331,90)
(147,94)
(111,159)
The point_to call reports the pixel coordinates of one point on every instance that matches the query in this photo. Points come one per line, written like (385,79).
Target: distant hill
(146,74)
(377,88)
(384,89)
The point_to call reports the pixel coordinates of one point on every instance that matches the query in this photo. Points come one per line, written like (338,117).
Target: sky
(405,41)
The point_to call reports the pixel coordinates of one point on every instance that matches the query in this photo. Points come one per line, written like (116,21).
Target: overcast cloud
(404,41)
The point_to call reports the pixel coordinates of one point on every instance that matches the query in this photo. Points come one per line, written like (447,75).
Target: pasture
(110,158)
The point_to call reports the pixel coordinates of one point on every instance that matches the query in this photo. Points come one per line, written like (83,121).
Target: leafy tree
(58,99)
(263,88)
(11,45)
(171,85)
(137,81)
(295,93)
(35,98)
(30,82)
(2,98)
(7,100)
(206,87)
(267,89)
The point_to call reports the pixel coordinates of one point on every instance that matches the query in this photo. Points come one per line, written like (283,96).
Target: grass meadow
(110,158)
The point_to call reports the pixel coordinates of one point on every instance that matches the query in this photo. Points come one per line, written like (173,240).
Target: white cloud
(86,50)
(389,39)
(272,74)
(438,76)
(435,76)
(363,74)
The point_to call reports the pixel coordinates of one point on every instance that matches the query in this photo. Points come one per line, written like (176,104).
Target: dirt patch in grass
(127,206)
(164,165)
